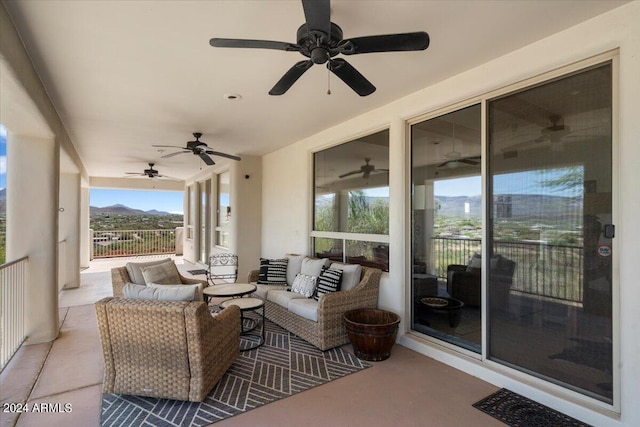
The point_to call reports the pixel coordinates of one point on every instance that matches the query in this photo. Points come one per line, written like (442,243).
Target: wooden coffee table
(247,324)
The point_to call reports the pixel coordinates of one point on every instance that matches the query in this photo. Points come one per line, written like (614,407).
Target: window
(351,202)
(224,210)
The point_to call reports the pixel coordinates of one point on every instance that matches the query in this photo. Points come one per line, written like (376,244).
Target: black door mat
(518,411)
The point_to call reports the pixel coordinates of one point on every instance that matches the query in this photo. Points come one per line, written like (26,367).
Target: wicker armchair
(330,330)
(172,350)
(120,277)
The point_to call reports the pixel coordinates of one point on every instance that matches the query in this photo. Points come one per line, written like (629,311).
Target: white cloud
(3,131)
(3,165)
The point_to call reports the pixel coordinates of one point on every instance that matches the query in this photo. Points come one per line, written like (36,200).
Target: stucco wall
(286,214)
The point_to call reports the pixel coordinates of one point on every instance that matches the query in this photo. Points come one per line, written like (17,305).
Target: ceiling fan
(320,40)
(366,170)
(152,173)
(554,133)
(198,148)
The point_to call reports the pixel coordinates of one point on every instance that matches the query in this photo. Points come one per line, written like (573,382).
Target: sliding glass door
(447,228)
(550,214)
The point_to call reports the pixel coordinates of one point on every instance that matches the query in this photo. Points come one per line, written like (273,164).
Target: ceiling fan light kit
(320,40)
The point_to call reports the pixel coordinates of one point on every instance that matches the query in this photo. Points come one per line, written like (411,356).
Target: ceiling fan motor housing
(321,52)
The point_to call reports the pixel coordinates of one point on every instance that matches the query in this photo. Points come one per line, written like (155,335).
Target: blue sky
(168,201)
(3,157)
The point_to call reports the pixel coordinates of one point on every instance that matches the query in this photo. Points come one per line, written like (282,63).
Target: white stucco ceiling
(124,75)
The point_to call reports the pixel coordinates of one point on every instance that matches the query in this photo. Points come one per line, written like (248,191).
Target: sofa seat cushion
(135,269)
(262,290)
(282,298)
(304,307)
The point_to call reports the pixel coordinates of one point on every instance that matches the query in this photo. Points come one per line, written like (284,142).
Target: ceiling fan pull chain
(329,78)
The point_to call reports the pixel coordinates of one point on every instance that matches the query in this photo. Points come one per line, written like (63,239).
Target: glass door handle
(609,231)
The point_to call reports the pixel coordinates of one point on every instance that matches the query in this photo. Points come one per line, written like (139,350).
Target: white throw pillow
(135,269)
(304,285)
(133,291)
(195,288)
(165,273)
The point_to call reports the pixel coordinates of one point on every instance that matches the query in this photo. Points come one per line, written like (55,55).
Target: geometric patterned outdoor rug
(518,411)
(283,366)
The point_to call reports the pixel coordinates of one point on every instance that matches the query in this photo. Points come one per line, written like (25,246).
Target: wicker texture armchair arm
(213,345)
(253,276)
(332,306)
(190,281)
(119,278)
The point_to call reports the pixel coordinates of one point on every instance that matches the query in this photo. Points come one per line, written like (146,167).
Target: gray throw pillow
(165,274)
(135,272)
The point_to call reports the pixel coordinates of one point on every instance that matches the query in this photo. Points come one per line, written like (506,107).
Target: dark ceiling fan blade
(290,77)
(218,153)
(254,44)
(174,154)
(351,77)
(205,158)
(134,173)
(386,43)
(445,163)
(344,175)
(380,170)
(317,13)
(168,146)
(168,177)
(468,161)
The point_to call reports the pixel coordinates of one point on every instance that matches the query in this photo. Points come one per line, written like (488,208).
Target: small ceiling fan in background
(198,148)
(152,173)
(366,170)
(320,40)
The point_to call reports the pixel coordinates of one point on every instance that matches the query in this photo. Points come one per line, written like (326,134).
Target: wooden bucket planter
(372,332)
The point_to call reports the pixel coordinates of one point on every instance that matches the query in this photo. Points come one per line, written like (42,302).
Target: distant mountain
(3,200)
(123,210)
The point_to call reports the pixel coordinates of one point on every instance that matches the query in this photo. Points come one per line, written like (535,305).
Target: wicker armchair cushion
(165,274)
(166,293)
(135,272)
(198,292)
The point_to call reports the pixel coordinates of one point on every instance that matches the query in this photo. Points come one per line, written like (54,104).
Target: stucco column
(86,239)
(32,228)
(69,229)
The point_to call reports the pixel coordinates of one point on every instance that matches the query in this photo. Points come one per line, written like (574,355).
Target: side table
(246,305)
(232,290)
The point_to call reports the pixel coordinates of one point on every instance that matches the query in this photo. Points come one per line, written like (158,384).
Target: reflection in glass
(447,227)
(550,305)
(351,195)
(224,210)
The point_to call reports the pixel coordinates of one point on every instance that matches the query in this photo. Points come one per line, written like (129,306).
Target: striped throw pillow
(328,281)
(273,271)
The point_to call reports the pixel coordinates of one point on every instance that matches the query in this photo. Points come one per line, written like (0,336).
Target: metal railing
(12,299)
(114,243)
(553,271)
